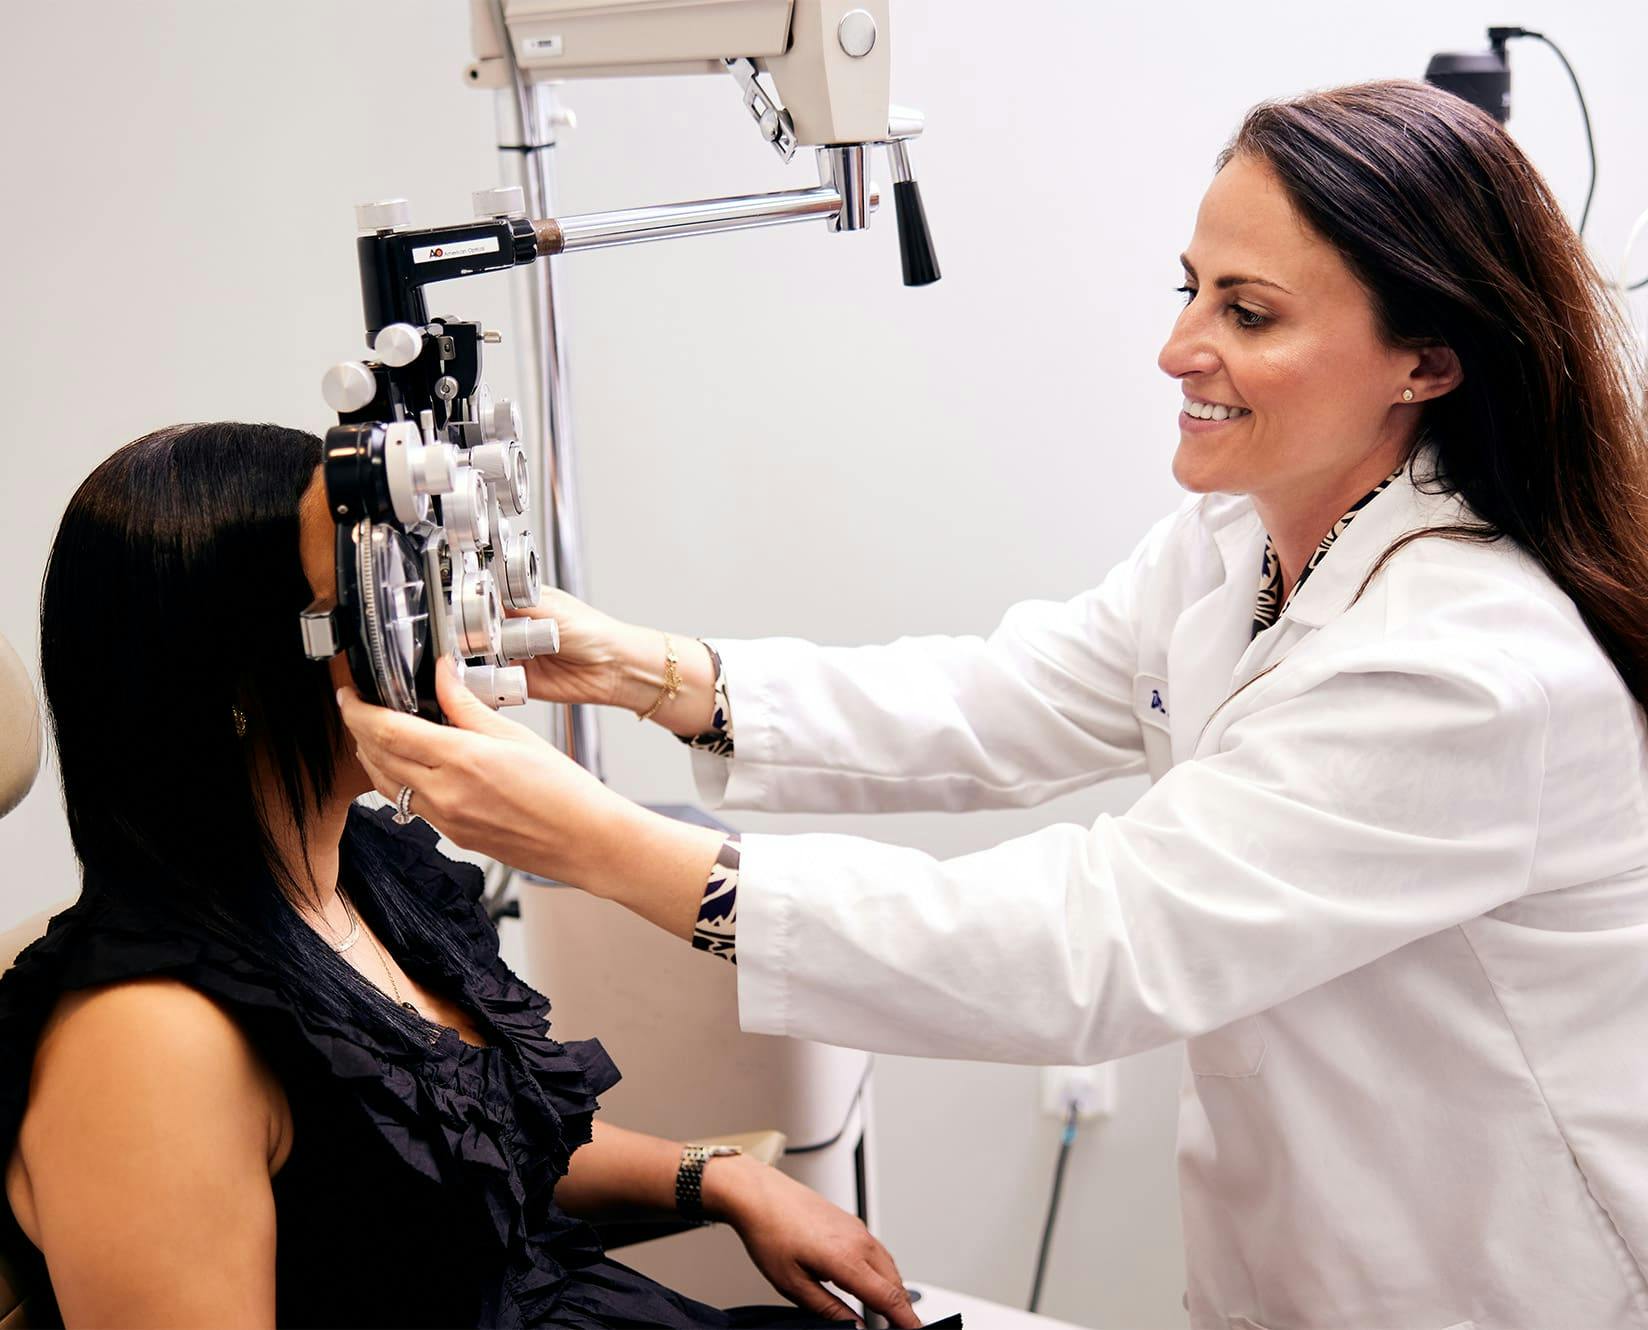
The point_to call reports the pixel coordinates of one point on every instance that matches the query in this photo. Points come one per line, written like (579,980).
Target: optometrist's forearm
(641,672)
(650,864)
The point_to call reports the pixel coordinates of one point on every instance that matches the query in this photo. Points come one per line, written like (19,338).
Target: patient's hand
(797,1240)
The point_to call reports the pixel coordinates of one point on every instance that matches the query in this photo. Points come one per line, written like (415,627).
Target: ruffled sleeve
(570,1076)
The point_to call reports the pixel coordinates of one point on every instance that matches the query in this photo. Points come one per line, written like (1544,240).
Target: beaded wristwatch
(689,1178)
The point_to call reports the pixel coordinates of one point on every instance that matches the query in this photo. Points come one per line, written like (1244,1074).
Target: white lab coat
(1390,885)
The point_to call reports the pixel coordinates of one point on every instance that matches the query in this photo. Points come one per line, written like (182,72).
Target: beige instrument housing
(832,97)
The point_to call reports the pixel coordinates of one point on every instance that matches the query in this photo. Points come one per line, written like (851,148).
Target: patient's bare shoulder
(143,1162)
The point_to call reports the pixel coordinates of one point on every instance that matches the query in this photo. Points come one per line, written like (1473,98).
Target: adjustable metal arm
(635,226)
(396,263)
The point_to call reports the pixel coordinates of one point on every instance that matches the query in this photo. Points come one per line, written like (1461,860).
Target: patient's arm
(151,1133)
(620,1173)
(796,1238)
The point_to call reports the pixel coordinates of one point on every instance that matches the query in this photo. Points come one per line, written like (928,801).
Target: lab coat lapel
(1329,591)
(1398,509)
(1210,636)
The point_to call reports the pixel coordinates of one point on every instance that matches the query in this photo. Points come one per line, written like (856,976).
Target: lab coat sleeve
(1041,707)
(1381,805)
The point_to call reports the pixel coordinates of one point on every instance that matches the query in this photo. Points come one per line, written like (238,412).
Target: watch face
(394,612)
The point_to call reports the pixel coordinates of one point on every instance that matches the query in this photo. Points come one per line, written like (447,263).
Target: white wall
(775,435)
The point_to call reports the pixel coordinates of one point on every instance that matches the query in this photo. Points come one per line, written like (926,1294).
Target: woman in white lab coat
(1386,670)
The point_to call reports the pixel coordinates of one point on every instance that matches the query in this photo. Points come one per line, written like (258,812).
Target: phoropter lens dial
(394,616)
(505,465)
(477,618)
(517,552)
(464,512)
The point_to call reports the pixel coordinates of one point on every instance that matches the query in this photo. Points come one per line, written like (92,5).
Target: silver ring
(403,806)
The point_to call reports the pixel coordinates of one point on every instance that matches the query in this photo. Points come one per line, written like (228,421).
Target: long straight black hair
(170,598)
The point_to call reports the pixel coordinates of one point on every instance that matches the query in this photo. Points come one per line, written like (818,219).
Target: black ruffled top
(420,1189)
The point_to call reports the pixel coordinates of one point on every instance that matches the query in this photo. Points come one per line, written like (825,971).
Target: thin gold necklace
(382,960)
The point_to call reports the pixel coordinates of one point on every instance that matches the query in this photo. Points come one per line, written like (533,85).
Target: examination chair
(26,1300)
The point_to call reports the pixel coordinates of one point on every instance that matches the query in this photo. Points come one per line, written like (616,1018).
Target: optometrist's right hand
(606,662)
(494,786)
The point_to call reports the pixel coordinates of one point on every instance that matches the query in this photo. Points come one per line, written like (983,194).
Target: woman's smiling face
(1279,332)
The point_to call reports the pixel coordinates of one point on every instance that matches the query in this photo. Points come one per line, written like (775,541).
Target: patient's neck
(315,876)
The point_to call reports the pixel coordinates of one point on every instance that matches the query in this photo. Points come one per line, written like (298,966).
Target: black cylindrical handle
(915,242)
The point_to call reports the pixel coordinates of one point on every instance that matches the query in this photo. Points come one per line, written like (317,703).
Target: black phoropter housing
(357,488)
(395,266)
(357,485)
(453,351)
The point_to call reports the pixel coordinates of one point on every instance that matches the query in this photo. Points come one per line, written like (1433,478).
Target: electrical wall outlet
(1091,1089)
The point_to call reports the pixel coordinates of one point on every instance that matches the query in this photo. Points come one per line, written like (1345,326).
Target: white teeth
(1214,410)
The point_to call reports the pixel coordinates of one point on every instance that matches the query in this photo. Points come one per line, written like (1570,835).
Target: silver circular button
(384,215)
(857,33)
(348,386)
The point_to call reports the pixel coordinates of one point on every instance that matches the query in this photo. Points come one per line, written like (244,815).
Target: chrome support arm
(742,212)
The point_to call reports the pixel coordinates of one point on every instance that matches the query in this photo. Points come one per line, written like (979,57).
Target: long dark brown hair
(1460,243)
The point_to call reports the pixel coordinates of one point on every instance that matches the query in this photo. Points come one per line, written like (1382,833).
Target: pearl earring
(1407,394)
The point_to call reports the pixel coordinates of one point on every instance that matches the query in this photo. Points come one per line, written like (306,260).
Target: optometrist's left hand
(496,787)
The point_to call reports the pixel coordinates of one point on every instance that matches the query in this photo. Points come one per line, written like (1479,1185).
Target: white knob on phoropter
(502,424)
(398,344)
(385,215)
(435,468)
(497,685)
(503,201)
(491,460)
(348,386)
(526,638)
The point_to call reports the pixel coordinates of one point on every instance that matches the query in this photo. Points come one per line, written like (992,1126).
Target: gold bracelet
(672,681)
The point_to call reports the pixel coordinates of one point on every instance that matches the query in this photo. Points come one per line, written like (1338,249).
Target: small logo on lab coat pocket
(1150,699)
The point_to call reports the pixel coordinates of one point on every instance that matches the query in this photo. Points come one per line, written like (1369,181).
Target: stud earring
(240,720)
(1407,394)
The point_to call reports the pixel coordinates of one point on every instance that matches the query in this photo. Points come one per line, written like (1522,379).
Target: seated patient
(269,1068)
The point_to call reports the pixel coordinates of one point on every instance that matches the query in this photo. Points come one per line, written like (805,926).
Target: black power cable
(1065,1142)
(1497,38)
